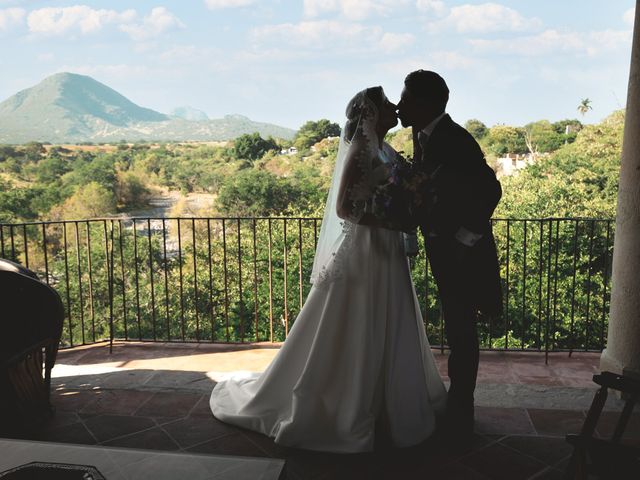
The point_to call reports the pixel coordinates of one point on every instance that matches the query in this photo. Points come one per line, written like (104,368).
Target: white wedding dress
(356,359)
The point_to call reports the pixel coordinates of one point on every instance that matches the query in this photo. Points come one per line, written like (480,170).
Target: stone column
(622,354)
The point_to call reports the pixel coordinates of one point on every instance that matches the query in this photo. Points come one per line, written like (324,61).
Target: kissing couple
(357,364)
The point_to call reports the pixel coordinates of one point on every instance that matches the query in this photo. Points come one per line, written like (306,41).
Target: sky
(287,62)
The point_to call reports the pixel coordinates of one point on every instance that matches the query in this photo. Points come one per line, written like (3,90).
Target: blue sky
(285,62)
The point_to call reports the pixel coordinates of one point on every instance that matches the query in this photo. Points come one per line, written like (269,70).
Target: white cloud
(431,6)
(86,20)
(553,41)
(217,4)
(317,34)
(313,8)
(202,58)
(485,18)
(629,16)
(608,40)
(61,20)
(544,43)
(157,22)
(10,17)
(449,60)
(393,42)
(439,61)
(352,9)
(46,57)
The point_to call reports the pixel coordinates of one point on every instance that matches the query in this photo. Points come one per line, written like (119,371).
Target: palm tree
(585,106)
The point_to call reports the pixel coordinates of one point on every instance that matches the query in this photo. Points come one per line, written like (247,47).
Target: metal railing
(245,279)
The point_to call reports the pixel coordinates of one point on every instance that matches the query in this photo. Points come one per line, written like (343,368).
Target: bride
(357,358)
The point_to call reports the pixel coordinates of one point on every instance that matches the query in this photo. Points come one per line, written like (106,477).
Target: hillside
(71,108)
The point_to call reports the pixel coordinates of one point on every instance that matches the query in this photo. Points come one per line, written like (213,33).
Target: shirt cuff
(467,237)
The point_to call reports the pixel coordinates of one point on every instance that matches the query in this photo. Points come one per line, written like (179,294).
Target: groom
(458,200)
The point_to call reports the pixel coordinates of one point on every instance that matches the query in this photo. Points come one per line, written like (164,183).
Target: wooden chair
(601,458)
(31,316)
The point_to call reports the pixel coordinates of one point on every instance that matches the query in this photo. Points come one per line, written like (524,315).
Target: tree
(89,201)
(131,190)
(568,129)
(577,180)
(585,106)
(255,193)
(252,146)
(51,168)
(476,128)
(33,151)
(6,152)
(574,125)
(88,167)
(503,139)
(312,132)
(541,137)
(17,203)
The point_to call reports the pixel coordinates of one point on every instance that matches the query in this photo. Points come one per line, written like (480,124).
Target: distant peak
(67,76)
(236,116)
(189,113)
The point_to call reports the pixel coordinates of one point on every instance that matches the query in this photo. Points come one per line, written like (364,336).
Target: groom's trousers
(450,269)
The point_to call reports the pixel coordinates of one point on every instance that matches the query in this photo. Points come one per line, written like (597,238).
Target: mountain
(71,108)
(189,113)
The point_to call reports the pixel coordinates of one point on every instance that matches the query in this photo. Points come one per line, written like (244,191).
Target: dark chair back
(31,316)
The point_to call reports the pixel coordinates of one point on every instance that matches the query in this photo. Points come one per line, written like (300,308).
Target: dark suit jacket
(463,191)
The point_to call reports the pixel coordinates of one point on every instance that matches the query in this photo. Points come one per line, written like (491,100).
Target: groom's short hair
(429,86)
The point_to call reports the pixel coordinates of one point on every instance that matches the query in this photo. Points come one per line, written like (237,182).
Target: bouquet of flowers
(398,200)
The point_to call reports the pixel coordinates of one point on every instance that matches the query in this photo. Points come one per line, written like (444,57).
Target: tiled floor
(495,367)
(162,404)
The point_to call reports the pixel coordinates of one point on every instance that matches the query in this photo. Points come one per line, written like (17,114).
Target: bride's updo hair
(354,109)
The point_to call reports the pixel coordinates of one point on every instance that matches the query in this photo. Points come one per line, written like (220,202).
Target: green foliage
(545,137)
(7,152)
(503,139)
(569,128)
(33,151)
(585,106)
(17,203)
(402,141)
(131,190)
(561,126)
(578,180)
(542,137)
(476,128)
(253,146)
(256,193)
(312,132)
(88,168)
(90,201)
(51,168)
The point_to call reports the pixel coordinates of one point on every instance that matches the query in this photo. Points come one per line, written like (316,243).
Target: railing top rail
(219,218)
(554,219)
(127,219)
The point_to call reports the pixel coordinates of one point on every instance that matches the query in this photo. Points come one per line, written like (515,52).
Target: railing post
(573,287)
(153,297)
(195,277)
(255,281)
(66,277)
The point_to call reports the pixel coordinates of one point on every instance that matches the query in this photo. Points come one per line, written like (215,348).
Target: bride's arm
(351,182)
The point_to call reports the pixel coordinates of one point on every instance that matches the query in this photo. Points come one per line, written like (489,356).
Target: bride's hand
(381,174)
